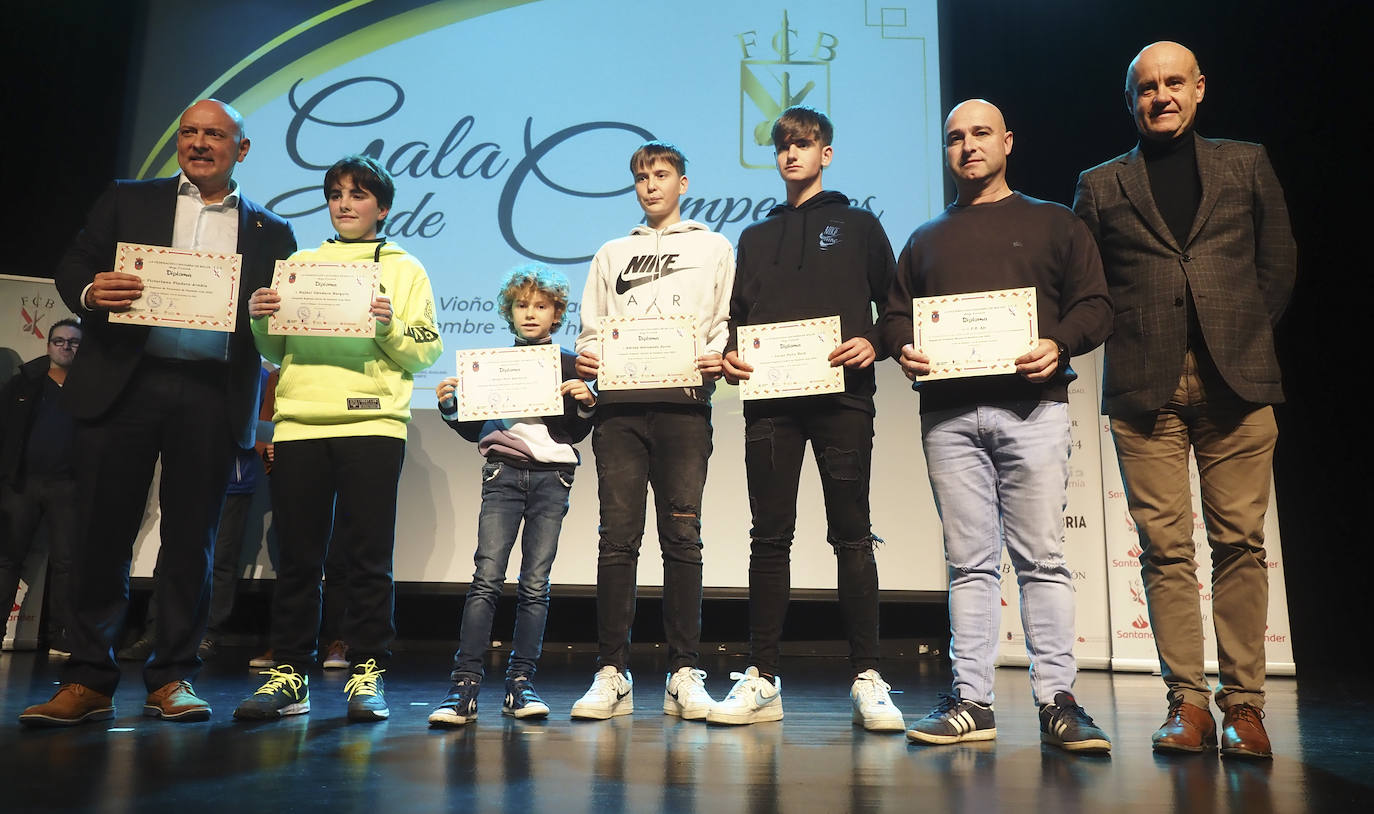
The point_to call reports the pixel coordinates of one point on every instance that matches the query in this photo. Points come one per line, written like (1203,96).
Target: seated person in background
(37,482)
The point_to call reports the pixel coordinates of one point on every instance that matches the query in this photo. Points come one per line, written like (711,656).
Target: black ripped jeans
(774,444)
(666,446)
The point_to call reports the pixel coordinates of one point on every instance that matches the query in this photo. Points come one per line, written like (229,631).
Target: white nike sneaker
(685,696)
(609,696)
(873,706)
(752,700)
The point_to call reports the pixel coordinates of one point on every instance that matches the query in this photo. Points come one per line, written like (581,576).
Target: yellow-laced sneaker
(366,697)
(286,692)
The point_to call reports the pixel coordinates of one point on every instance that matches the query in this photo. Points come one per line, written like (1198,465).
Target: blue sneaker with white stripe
(954,720)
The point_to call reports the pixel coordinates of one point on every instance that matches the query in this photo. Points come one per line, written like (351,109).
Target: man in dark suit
(1200,262)
(138,393)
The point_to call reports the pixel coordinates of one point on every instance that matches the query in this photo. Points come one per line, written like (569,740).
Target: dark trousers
(667,447)
(233,520)
(774,446)
(348,484)
(177,411)
(42,499)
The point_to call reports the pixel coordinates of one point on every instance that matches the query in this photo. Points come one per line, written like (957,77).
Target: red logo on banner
(1139,623)
(1134,552)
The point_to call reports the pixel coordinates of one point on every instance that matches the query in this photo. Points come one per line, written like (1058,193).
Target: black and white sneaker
(460,707)
(954,720)
(1067,725)
(521,700)
(366,698)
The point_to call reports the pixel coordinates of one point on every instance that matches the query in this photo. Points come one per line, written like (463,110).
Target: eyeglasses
(65,343)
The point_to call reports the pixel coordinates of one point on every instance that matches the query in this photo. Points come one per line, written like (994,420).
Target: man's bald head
(977,143)
(1164,86)
(980,109)
(210,141)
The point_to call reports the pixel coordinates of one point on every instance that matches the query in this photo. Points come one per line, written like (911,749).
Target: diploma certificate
(978,334)
(790,358)
(644,352)
(517,382)
(181,288)
(324,299)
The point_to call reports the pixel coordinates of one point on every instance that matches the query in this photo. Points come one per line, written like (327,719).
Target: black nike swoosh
(622,285)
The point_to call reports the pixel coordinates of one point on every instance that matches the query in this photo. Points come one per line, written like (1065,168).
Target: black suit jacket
(145,212)
(1239,259)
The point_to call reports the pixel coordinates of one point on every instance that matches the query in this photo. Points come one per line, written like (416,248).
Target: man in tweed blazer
(1200,262)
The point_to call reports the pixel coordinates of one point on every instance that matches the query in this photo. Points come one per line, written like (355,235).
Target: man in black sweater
(997,446)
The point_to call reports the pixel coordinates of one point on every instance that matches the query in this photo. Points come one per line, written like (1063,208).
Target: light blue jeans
(1000,473)
(511,495)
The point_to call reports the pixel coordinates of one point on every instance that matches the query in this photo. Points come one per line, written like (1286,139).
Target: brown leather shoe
(73,704)
(176,701)
(1188,729)
(1242,732)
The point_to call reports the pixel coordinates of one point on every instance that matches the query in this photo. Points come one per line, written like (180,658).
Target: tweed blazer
(1240,261)
(145,212)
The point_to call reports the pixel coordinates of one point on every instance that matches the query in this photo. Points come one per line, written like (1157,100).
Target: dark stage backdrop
(1288,75)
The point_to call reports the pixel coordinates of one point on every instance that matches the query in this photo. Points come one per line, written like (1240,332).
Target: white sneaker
(873,706)
(685,694)
(609,695)
(751,700)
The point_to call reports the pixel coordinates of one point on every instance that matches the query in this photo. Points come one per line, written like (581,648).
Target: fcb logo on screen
(799,74)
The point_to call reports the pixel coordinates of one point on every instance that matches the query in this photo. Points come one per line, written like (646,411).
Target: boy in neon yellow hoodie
(342,405)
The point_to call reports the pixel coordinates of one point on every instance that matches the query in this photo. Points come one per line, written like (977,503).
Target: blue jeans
(509,495)
(1000,473)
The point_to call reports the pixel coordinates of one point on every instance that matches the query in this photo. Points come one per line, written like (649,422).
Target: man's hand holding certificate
(324,299)
(790,358)
(644,352)
(518,382)
(180,288)
(978,334)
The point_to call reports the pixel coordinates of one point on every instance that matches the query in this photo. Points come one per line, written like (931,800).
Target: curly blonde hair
(534,278)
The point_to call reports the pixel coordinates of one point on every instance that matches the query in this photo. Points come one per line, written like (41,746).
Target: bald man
(1200,261)
(997,446)
(140,393)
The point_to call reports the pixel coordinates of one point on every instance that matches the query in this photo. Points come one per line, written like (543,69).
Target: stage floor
(813,760)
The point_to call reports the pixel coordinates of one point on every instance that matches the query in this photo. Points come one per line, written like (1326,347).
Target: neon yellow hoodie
(333,387)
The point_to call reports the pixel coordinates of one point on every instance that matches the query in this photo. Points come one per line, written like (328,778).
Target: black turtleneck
(1174,182)
(1177,190)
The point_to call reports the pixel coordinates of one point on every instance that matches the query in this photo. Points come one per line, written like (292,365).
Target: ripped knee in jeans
(840,464)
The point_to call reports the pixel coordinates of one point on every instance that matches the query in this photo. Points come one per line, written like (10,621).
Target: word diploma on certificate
(182,288)
(790,358)
(978,334)
(324,299)
(518,382)
(644,352)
